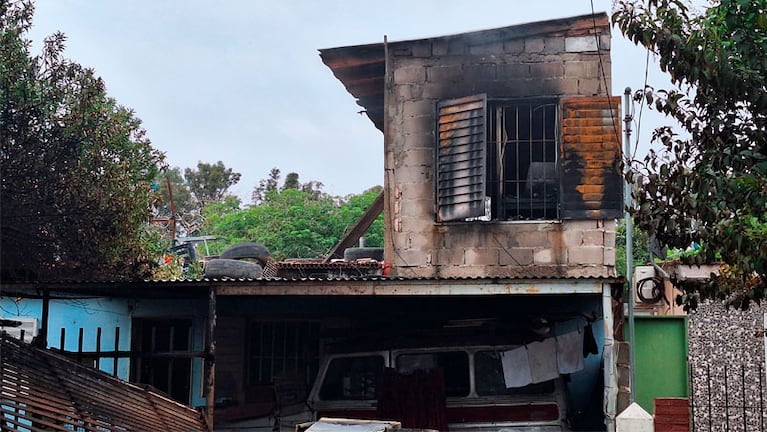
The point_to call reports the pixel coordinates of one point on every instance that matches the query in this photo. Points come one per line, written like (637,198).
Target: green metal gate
(661,358)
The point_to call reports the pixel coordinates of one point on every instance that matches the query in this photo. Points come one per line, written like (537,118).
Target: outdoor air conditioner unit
(647,289)
(28,326)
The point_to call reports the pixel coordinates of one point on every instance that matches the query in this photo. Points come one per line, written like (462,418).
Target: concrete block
(402,240)
(410,75)
(421,49)
(439,47)
(411,257)
(534,45)
(590,87)
(514,70)
(418,107)
(573,238)
(449,257)
(565,87)
(534,239)
(604,41)
(456,47)
(586,255)
(410,91)
(579,225)
(594,238)
(415,213)
(514,46)
(609,256)
(417,155)
(417,191)
(449,73)
(543,256)
(580,43)
(582,69)
(480,72)
(515,256)
(458,271)
(547,70)
(486,48)
(413,174)
(481,256)
(420,140)
(418,124)
(554,44)
(609,238)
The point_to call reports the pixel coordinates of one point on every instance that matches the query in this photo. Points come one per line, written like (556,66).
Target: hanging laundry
(543,360)
(569,349)
(589,343)
(516,367)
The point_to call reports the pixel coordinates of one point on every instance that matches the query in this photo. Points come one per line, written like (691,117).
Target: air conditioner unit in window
(647,288)
(28,327)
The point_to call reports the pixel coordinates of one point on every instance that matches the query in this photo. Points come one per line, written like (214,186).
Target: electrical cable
(656,294)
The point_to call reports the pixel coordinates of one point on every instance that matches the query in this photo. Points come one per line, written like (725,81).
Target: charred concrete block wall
(539,63)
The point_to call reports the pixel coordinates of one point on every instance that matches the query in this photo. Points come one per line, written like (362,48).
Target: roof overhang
(362,68)
(361,286)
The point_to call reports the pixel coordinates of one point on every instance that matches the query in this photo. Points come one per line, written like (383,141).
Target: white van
(476,396)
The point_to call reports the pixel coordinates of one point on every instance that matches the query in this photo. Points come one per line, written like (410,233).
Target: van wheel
(231,268)
(251,250)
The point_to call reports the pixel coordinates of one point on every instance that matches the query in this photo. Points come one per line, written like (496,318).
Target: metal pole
(210,360)
(627,118)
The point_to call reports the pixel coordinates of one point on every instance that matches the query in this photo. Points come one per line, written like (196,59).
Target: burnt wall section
(553,63)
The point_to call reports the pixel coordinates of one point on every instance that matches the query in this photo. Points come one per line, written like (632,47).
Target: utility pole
(627,118)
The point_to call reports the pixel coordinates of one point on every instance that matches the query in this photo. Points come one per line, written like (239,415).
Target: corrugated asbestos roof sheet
(362,68)
(45,391)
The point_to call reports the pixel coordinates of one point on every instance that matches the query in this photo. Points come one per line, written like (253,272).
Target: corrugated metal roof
(328,285)
(362,68)
(45,391)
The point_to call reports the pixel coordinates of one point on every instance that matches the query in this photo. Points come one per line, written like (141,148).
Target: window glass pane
(488,374)
(352,378)
(455,366)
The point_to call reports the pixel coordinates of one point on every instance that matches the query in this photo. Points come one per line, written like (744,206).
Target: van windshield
(454,365)
(352,378)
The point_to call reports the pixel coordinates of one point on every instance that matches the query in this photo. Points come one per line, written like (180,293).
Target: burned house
(492,307)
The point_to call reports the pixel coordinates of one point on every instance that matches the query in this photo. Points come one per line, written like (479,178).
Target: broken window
(278,349)
(164,361)
(522,156)
(497,160)
(528,159)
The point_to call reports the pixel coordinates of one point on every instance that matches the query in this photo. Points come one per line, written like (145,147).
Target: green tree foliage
(293,222)
(708,185)
(266,185)
(76,166)
(639,241)
(210,182)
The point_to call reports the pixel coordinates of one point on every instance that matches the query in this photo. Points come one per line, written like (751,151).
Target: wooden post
(42,341)
(210,360)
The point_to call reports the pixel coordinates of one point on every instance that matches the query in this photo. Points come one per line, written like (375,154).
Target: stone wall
(559,64)
(727,368)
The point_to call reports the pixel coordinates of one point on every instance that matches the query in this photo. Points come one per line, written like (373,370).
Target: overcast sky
(242,81)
